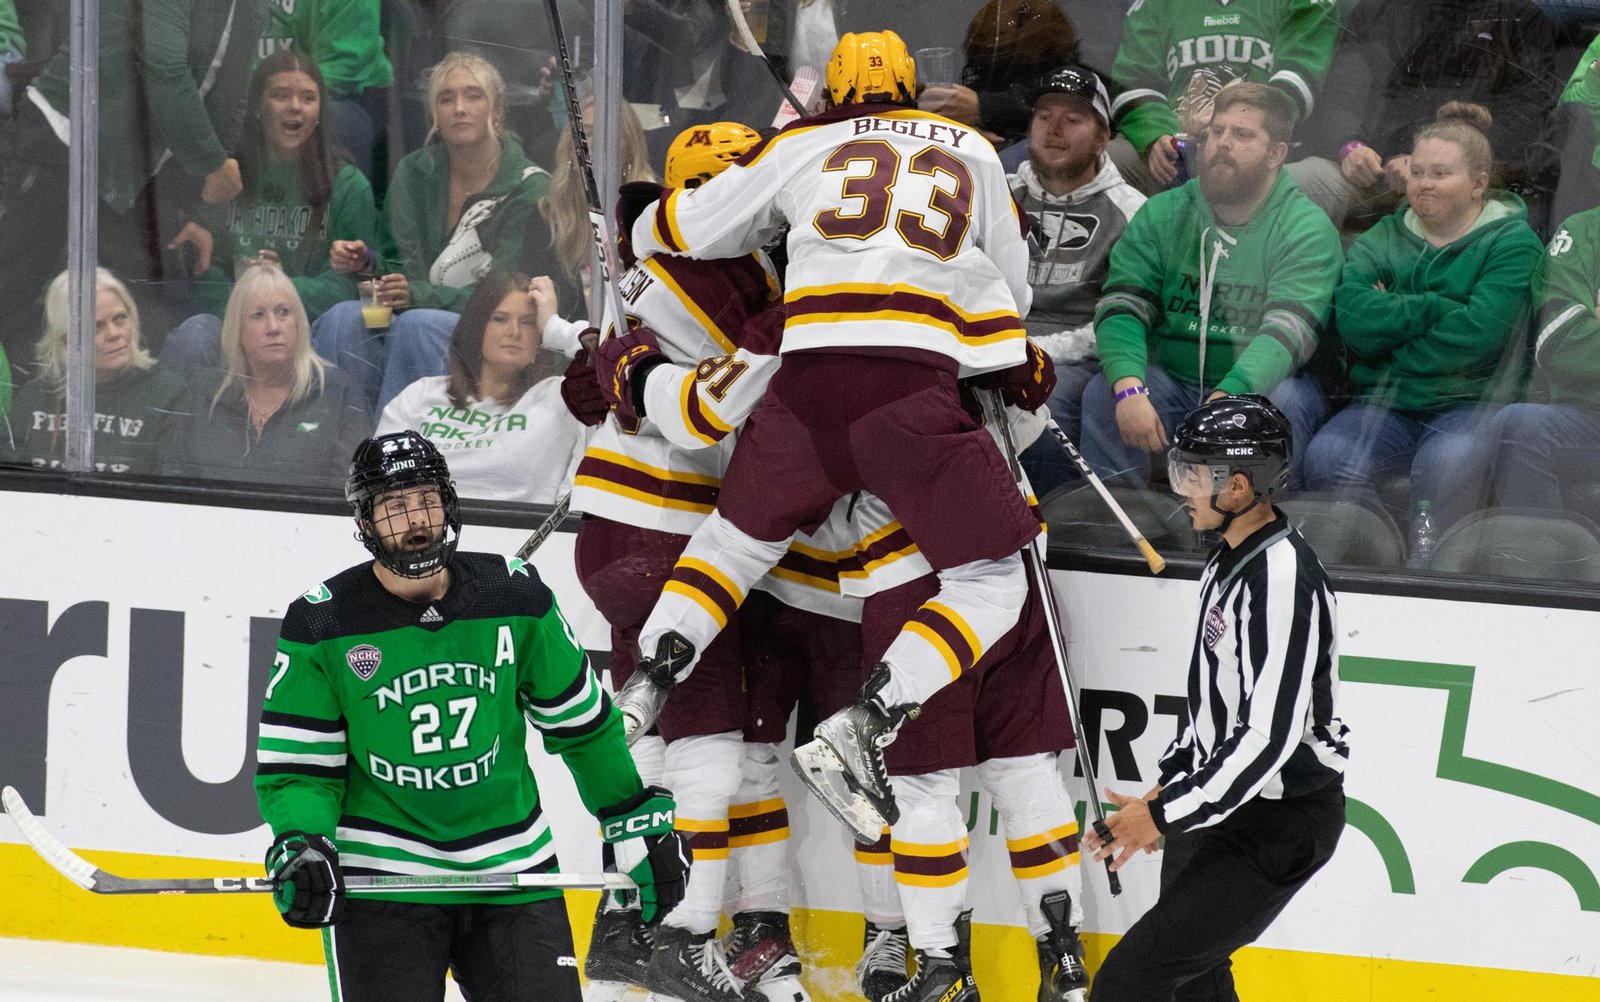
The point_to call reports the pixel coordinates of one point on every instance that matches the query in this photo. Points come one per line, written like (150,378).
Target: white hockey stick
(91,878)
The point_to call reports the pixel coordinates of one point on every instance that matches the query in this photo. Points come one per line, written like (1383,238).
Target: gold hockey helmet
(871,66)
(701,152)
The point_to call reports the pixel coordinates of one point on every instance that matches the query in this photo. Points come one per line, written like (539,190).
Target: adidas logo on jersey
(432,616)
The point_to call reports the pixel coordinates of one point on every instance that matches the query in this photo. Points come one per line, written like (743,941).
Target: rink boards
(132,634)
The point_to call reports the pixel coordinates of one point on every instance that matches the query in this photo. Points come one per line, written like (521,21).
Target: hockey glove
(309,889)
(649,849)
(580,390)
(621,364)
(1027,385)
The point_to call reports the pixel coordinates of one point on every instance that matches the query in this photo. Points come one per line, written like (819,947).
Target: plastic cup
(374,314)
(936,66)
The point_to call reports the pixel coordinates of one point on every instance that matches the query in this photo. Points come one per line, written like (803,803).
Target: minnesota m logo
(701,137)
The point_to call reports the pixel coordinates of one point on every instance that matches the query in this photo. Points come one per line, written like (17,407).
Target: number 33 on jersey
(902,233)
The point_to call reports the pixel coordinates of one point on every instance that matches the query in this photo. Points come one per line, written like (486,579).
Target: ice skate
(641,698)
(761,953)
(883,964)
(1062,976)
(690,967)
(619,955)
(943,979)
(844,764)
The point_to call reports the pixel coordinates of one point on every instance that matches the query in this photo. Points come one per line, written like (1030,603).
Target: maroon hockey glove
(621,364)
(580,390)
(1027,385)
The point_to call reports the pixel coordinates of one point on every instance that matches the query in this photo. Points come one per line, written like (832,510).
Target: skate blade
(783,989)
(821,769)
(611,991)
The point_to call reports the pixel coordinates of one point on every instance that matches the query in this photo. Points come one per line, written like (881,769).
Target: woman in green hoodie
(463,205)
(1431,309)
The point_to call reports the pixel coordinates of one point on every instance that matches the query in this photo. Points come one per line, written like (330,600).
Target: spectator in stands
(12,49)
(1431,310)
(1221,286)
(1416,57)
(672,48)
(566,210)
(300,194)
(463,205)
(1077,207)
(1169,50)
(507,434)
(343,40)
(1009,45)
(1553,439)
(133,397)
(276,412)
(168,113)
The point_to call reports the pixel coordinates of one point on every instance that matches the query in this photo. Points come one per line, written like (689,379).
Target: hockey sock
(703,775)
(650,757)
(930,857)
(758,837)
(976,604)
(1041,831)
(880,897)
(708,585)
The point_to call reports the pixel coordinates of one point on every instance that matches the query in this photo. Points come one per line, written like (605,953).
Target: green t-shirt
(343,36)
(398,728)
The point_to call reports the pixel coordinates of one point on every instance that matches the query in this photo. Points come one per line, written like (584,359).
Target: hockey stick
(557,515)
(1157,562)
(605,249)
(1058,644)
(751,45)
(91,878)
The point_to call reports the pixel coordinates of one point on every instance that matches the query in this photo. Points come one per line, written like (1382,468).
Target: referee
(1251,794)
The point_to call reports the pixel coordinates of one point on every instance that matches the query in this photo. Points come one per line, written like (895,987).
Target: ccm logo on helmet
(637,825)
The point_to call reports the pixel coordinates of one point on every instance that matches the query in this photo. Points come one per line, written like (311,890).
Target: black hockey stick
(748,37)
(1058,644)
(1157,562)
(91,878)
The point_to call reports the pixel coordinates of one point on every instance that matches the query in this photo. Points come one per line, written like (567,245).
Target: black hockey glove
(621,364)
(649,849)
(580,390)
(310,886)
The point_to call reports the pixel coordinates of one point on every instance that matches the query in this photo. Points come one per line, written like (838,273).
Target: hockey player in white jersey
(907,270)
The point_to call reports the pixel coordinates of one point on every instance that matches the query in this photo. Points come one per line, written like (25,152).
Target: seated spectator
(276,412)
(1009,45)
(1416,57)
(1218,287)
(463,205)
(12,50)
(1431,311)
(1553,439)
(507,436)
(343,40)
(133,397)
(300,194)
(1169,51)
(1077,207)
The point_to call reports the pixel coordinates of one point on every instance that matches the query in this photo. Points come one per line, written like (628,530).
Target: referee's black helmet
(395,462)
(1243,434)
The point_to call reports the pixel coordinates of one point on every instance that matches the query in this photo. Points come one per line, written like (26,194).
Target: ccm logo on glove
(638,824)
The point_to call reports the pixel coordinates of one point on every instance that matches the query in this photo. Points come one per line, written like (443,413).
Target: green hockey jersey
(398,729)
(1165,43)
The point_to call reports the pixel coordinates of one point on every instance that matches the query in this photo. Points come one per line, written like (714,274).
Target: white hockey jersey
(903,237)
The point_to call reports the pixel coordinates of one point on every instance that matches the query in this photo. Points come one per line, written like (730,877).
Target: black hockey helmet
(394,462)
(1243,434)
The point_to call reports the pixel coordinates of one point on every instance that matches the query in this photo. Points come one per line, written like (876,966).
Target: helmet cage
(393,463)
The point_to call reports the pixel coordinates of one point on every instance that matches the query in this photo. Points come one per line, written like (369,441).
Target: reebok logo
(1222,21)
(432,616)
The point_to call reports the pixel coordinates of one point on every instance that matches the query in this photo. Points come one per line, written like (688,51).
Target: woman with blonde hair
(463,205)
(276,412)
(133,397)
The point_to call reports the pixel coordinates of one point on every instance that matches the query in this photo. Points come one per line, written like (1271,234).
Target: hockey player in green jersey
(393,741)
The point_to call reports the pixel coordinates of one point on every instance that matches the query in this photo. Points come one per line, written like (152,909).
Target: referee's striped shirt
(1262,684)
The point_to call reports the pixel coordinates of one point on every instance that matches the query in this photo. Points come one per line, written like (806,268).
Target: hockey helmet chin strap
(1180,468)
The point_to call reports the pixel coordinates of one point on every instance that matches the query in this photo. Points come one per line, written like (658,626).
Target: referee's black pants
(1220,888)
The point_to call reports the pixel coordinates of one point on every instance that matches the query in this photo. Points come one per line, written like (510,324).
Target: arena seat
(1344,530)
(1542,544)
